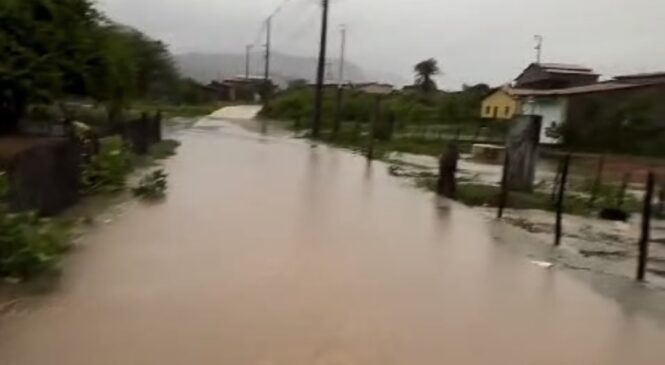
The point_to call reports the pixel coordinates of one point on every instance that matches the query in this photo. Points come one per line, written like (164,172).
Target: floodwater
(269,251)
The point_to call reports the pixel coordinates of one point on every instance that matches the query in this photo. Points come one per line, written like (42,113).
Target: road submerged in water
(269,250)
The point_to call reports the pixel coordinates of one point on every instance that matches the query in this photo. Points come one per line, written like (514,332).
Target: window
(506,111)
(488,110)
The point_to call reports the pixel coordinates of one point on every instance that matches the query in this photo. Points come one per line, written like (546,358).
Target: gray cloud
(474,40)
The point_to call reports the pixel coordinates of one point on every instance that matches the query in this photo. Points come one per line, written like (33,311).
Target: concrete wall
(552,110)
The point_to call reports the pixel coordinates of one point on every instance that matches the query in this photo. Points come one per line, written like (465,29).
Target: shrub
(152,185)
(29,245)
(164,149)
(107,171)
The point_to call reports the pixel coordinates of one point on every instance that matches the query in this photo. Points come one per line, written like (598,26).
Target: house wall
(499,105)
(553,110)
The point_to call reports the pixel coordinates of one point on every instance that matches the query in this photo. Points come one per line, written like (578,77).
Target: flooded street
(269,251)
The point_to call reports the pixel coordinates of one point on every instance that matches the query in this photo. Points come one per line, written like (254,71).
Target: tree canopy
(425,71)
(54,49)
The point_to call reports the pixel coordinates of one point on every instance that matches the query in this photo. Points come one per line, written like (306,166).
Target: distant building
(239,88)
(555,76)
(374,88)
(327,85)
(641,78)
(500,104)
(571,105)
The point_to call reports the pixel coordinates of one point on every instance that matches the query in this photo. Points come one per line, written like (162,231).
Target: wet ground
(271,251)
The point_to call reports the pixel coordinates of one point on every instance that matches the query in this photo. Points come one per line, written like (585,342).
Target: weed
(108,170)
(152,186)
(164,149)
(29,245)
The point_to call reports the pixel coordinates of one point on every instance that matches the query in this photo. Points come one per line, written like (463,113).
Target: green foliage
(48,51)
(29,245)
(625,124)
(407,108)
(164,149)
(59,49)
(152,186)
(107,171)
(425,71)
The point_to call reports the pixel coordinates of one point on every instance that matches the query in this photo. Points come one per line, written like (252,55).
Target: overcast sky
(473,40)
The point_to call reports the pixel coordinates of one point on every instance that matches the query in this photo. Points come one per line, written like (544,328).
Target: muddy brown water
(271,251)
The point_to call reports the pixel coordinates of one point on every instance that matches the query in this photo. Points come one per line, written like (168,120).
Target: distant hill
(205,67)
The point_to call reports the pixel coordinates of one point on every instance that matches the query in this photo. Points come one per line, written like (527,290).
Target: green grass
(163,149)
(476,195)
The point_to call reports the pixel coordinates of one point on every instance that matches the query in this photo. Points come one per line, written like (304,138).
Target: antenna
(539,47)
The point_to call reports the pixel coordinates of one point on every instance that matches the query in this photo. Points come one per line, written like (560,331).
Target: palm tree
(425,70)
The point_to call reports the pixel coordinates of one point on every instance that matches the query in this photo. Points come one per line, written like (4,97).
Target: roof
(565,68)
(560,68)
(647,75)
(586,89)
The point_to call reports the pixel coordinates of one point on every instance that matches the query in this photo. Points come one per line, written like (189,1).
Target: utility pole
(539,47)
(266,76)
(318,96)
(340,82)
(248,49)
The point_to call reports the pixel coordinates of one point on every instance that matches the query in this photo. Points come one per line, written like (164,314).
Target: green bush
(29,245)
(152,186)
(164,149)
(107,171)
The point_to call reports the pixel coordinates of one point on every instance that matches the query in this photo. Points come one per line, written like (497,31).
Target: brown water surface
(270,251)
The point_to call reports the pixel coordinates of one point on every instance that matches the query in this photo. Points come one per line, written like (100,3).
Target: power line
(299,30)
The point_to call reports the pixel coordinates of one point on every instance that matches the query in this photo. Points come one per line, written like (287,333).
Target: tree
(46,49)
(425,71)
(55,49)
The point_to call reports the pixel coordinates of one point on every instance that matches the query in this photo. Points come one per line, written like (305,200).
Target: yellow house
(500,104)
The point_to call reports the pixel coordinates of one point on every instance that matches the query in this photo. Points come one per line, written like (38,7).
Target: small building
(327,85)
(572,105)
(375,88)
(239,88)
(543,76)
(500,104)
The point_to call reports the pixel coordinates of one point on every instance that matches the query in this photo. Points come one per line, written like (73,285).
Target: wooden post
(560,200)
(622,191)
(597,181)
(503,195)
(557,178)
(643,256)
(372,127)
(447,184)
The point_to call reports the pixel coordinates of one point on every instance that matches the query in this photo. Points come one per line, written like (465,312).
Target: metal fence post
(560,199)
(643,256)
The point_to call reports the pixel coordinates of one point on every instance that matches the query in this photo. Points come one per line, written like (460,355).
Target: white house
(552,109)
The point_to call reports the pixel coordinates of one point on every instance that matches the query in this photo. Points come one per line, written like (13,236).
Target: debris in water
(543,264)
